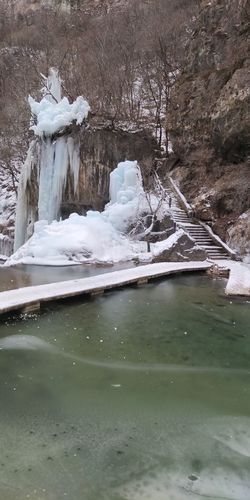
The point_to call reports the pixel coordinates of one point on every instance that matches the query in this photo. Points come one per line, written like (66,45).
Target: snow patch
(162,246)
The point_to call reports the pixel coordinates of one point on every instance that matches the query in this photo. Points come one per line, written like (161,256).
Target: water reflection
(27,275)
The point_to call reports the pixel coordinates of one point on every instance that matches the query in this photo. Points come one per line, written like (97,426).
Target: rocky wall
(209,119)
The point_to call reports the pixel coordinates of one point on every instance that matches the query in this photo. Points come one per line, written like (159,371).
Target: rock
(179,247)
(209,119)
(162,229)
(101,149)
(202,206)
(6,245)
(210,102)
(239,235)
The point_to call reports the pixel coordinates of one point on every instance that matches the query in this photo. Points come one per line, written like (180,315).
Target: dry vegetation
(123,60)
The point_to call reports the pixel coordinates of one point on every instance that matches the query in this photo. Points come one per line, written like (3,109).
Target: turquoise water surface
(141,394)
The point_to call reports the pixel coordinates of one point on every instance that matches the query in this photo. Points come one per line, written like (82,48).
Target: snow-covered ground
(239,277)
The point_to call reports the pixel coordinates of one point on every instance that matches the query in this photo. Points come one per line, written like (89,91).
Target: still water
(141,394)
(27,275)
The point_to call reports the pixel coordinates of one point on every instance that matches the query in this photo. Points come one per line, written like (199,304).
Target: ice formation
(125,182)
(53,113)
(95,237)
(48,158)
(98,236)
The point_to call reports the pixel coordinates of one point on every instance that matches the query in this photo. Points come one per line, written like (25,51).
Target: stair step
(198,231)
(205,240)
(195,231)
(204,243)
(215,247)
(218,257)
(215,255)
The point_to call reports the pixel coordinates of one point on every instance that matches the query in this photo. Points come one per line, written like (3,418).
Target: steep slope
(209,121)
(90,6)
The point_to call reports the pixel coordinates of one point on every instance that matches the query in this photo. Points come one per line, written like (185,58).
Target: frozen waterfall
(51,157)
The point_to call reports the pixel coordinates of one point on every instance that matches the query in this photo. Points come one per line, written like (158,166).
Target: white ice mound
(52,114)
(96,237)
(51,117)
(125,182)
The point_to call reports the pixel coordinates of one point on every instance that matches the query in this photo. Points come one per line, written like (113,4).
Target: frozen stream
(142,394)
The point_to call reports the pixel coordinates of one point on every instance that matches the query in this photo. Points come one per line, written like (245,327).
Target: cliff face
(209,122)
(69,173)
(101,149)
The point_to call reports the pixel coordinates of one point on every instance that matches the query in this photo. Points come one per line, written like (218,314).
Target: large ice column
(57,159)
(59,155)
(24,212)
(125,182)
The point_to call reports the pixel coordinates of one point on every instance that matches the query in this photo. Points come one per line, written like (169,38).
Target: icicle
(6,245)
(22,211)
(55,159)
(53,175)
(125,182)
(74,159)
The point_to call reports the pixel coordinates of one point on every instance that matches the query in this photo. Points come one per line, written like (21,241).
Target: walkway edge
(30,298)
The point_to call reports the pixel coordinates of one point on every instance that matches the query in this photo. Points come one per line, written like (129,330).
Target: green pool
(140,394)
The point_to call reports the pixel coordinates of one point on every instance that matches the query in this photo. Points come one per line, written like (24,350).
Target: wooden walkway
(31,298)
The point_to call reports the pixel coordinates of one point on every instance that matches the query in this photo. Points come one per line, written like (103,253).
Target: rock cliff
(209,122)
(69,172)
(101,149)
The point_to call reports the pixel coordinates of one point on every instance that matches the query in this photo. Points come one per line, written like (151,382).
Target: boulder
(179,247)
(239,235)
(162,229)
